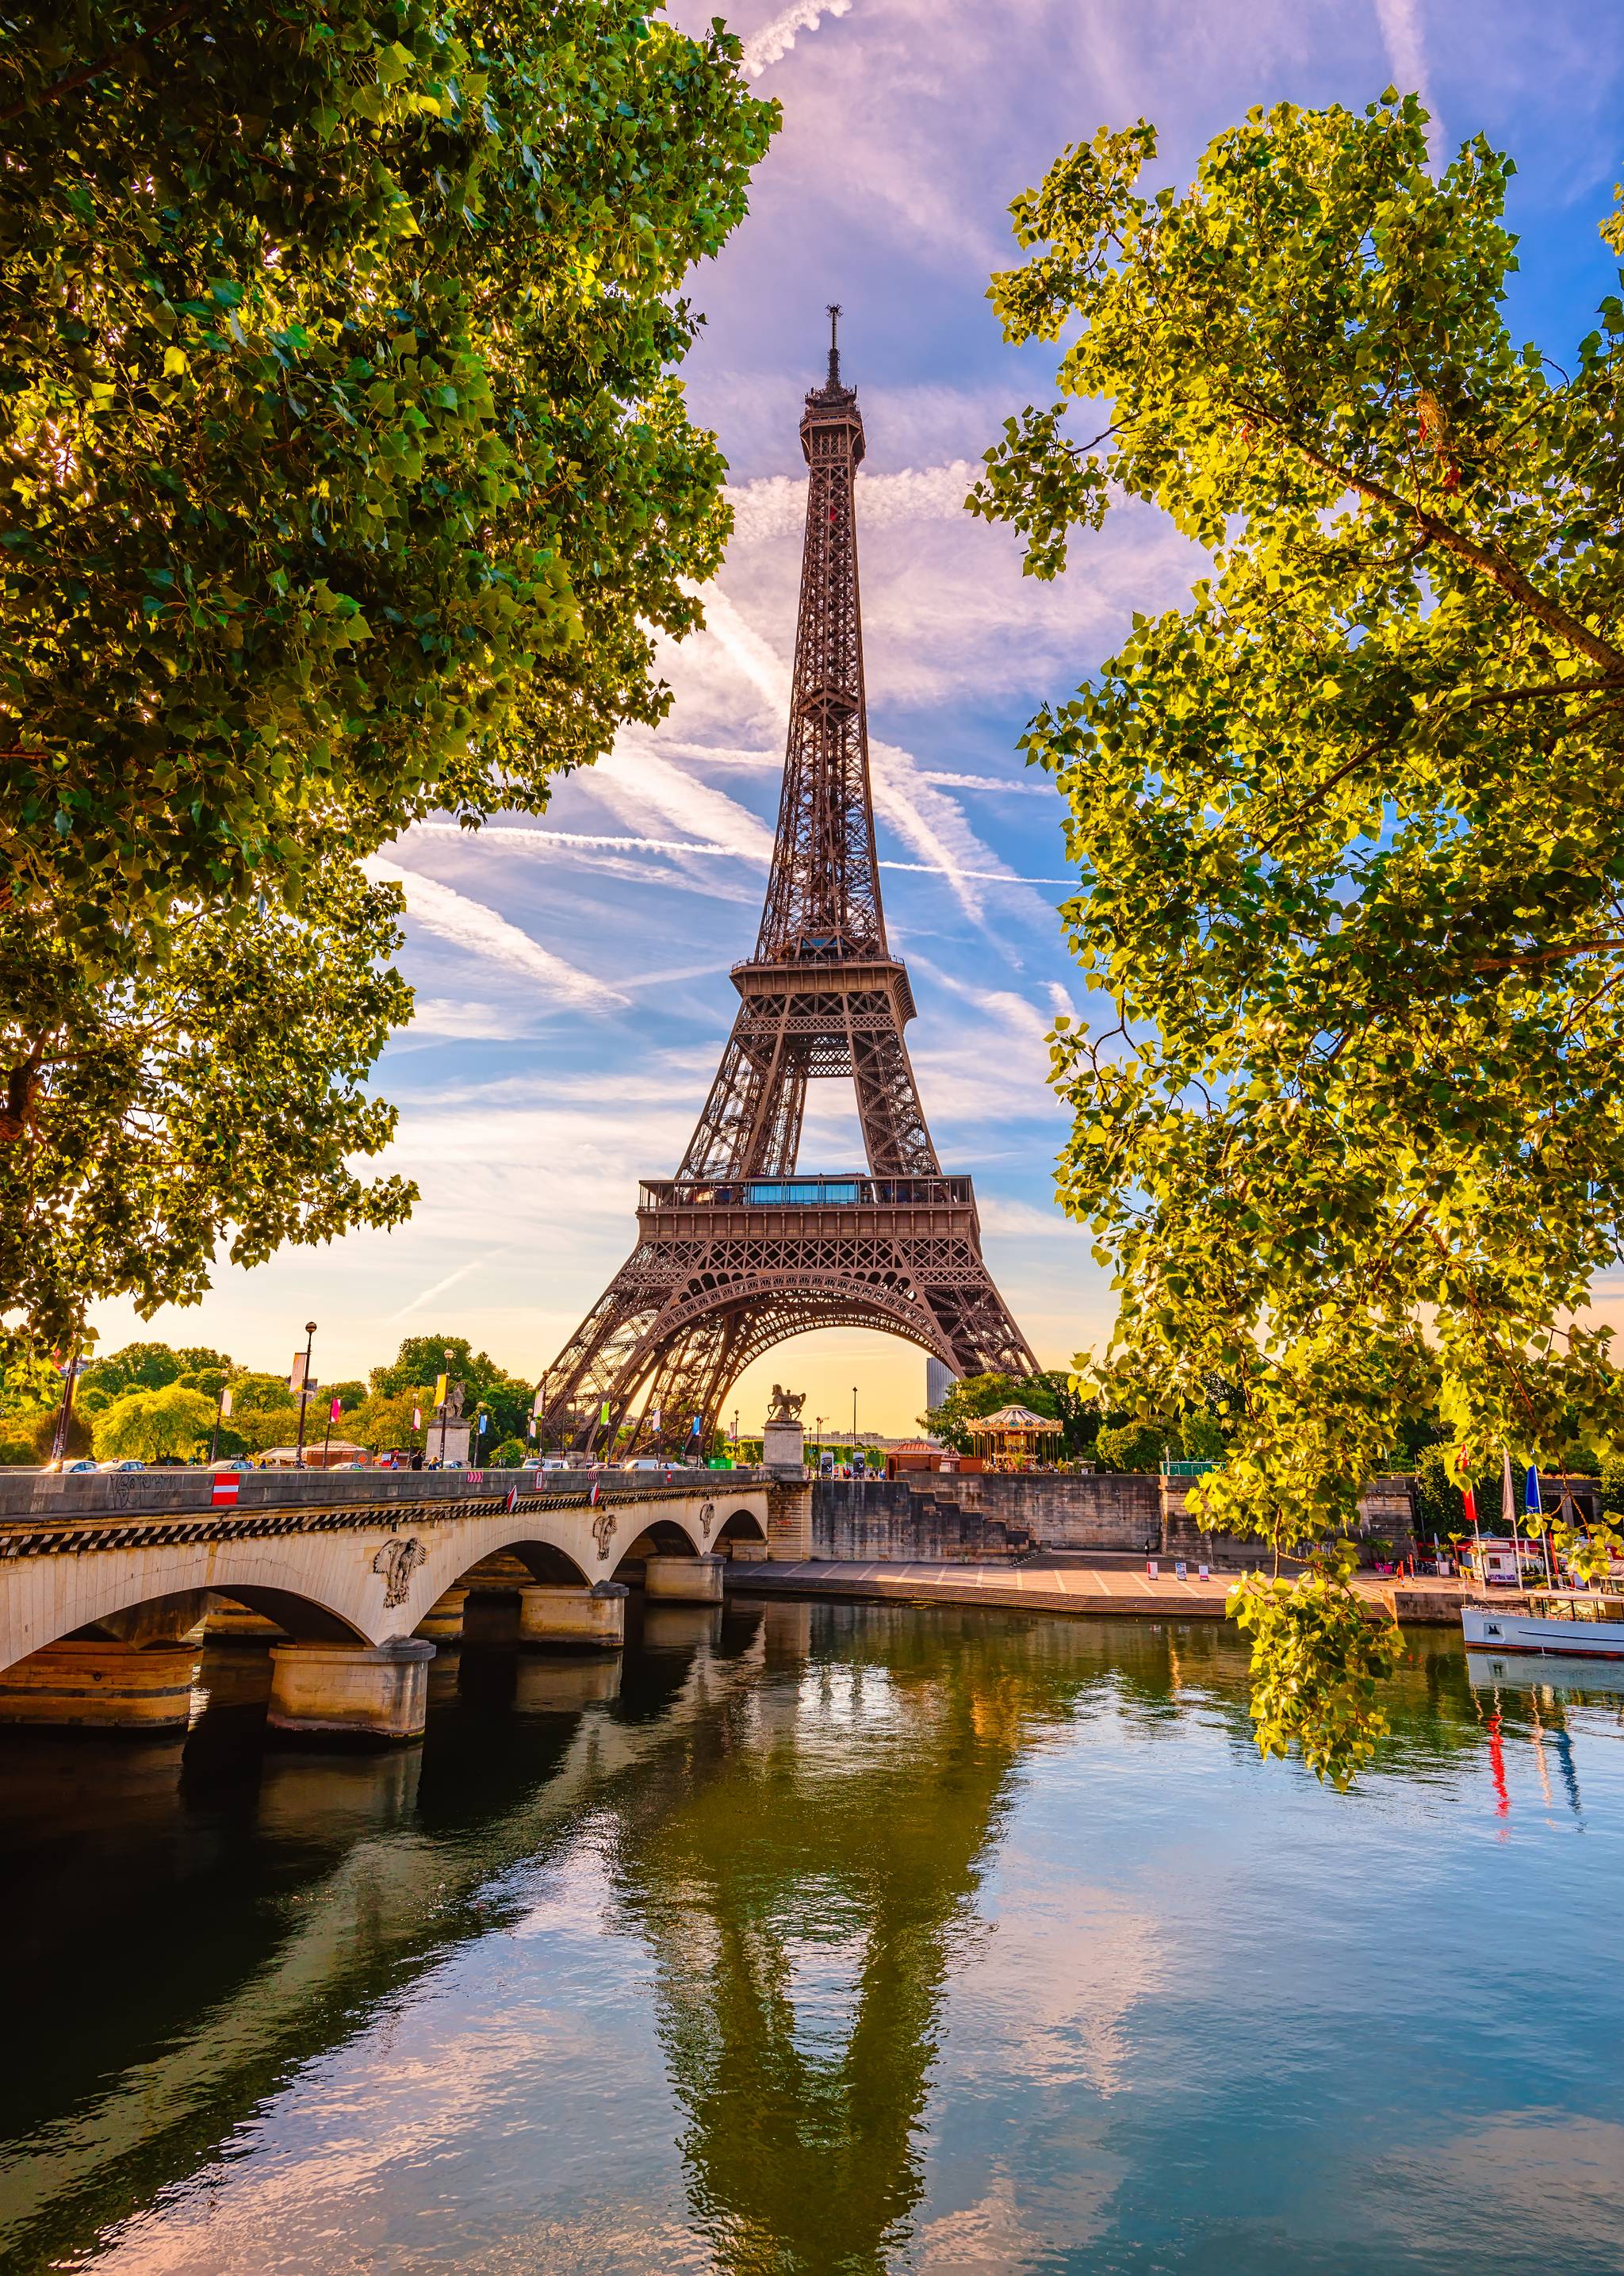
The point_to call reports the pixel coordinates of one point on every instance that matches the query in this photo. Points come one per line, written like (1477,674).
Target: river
(822,1938)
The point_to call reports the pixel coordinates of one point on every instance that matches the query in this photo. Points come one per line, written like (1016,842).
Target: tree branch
(1544,956)
(1504,573)
(72,82)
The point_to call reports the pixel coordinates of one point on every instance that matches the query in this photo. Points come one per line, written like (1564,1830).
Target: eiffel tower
(741,1248)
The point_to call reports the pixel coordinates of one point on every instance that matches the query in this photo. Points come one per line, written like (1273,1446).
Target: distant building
(939,1378)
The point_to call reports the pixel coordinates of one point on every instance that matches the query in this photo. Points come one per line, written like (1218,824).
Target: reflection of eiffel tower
(738,1251)
(803,1906)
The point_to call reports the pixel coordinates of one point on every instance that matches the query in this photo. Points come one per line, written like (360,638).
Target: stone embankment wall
(958,1519)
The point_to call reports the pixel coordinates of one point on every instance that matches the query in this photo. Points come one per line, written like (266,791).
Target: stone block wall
(948,1517)
(870,1519)
(968,1517)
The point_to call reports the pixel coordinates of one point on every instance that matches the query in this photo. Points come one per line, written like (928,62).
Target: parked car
(84,1463)
(556,1462)
(121,1466)
(642,1462)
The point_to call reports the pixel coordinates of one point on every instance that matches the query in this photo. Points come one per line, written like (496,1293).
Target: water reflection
(768,1859)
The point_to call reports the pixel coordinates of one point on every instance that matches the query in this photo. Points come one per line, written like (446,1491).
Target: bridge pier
(580,1615)
(789,1521)
(374,1695)
(684,1580)
(443,1621)
(101,1686)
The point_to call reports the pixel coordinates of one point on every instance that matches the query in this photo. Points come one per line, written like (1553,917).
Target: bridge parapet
(72,1495)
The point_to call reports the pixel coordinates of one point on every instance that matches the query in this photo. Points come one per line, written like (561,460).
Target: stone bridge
(353,1577)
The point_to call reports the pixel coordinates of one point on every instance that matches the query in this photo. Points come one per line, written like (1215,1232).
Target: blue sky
(573,996)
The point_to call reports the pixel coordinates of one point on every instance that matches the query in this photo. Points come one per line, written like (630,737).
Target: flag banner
(603,1414)
(483,1420)
(592,1497)
(512,1500)
(417,1418)
(224,1492)
(1531,1497)
(654,1418)
(540,1406)
(296,1376)
(698,1426)
(226,1401)
(1470,1499)
(335,1410)
(1508,1492)
(439,1392)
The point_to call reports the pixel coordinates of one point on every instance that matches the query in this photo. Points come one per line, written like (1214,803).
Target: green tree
(970,1398)
(217,1101)
(148,1423)
(508,1455)
(147,1367)
(384,1418)
(1349,826)
(348,478)
(354,320)
(506,1399)
(1131,1446)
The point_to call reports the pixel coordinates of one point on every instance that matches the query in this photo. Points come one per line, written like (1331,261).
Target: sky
(571,972)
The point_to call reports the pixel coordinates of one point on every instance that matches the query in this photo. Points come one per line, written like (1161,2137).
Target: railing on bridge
(139,1493)
(802,1192)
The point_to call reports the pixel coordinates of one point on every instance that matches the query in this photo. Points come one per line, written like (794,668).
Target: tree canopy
(219,1100)
(146,1424)
(349,477)
(1350,825)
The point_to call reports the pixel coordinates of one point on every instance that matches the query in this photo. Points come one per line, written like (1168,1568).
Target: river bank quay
(1098,1587)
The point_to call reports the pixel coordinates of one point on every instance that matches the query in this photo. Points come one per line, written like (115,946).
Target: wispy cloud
(997,783)
(1405,45)
(776,506)
(517,838)
(470,925)
(775,40)
(439,1288)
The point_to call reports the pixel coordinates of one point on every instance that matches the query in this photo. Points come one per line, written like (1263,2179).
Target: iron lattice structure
(738,1251)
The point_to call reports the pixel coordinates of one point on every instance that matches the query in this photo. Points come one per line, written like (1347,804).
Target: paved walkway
(1070,1587)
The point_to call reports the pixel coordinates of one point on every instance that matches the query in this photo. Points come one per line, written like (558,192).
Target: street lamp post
(65,1411)
(304,1395)
(853,1429)
(444,1403)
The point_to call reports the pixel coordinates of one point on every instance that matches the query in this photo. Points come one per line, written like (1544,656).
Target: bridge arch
(743,1525)
(544,1560)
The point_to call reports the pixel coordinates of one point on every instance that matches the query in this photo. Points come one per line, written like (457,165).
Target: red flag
(334,1411)
(592,1498)
(1470,1499)
(225,1485)
(512,1500)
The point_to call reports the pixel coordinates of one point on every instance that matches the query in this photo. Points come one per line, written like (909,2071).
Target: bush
(17,1455)
(508,1455)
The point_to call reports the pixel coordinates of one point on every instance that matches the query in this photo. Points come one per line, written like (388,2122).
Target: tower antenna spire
(834,344)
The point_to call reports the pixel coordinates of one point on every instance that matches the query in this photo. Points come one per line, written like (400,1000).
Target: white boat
(1578,1623)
